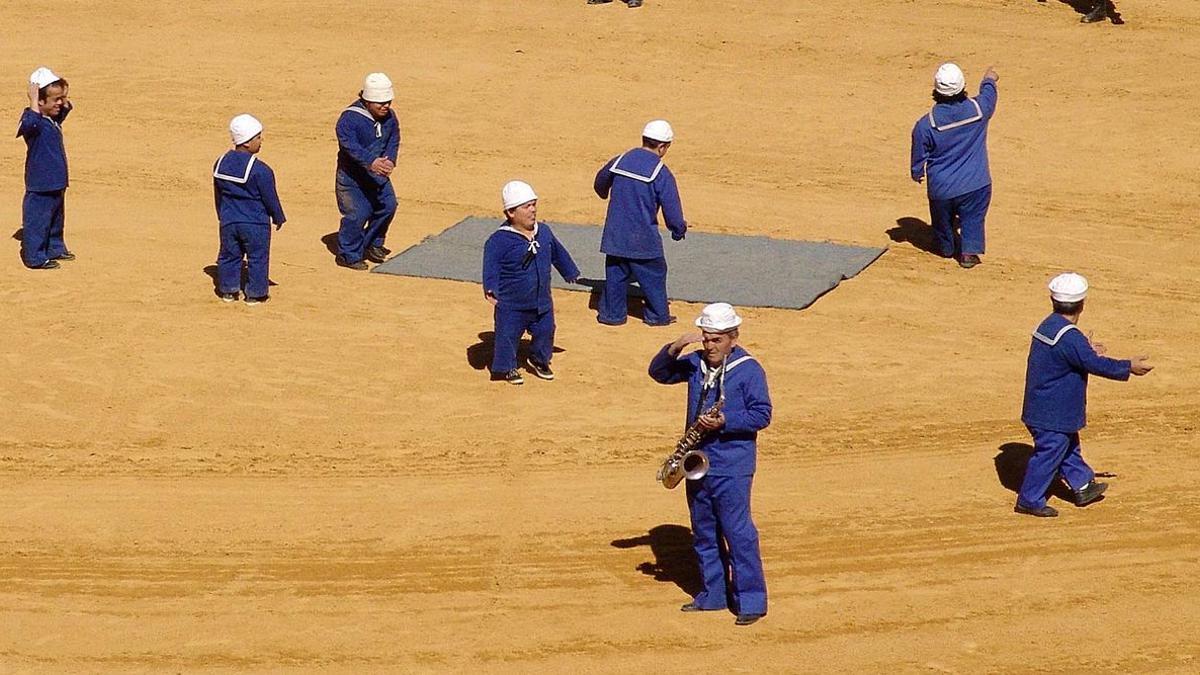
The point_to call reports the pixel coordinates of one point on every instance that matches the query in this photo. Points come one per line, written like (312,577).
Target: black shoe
(968,261)
(512,377)
(376,254)
(1044,512)
(1089,493)
(257,301)
(598,2)
(542,370)
(357,265)
(747,619)
(228,297)
(386,251)
(670,320)
(65,255)
(48,265)
(611,323)
(693,607)
(635,3)
(1098,13)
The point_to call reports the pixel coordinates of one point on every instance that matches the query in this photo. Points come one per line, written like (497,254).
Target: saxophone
(687,461)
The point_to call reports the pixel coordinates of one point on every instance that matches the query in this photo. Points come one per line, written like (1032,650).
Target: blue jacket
(362,140)
(46,156)
(636,184)
(517,270)
(949,145)
(731,449)
(244,190)
(1060,358)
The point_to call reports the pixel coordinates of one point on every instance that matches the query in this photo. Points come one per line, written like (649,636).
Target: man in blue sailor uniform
(724,535)
(368,133)
(949,149)
(247,204)
(516,281)
(637,184)
(44,206)
(1060,360)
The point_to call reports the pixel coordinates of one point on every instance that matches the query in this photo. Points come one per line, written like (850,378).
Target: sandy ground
(326,482)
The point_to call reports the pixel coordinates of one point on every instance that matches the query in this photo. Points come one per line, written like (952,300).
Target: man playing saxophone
(724,535)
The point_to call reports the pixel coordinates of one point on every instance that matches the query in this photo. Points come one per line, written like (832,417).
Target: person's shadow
(911,230)
(674,559)
(479,355)
(1011,463)
(211,271)
(331,243)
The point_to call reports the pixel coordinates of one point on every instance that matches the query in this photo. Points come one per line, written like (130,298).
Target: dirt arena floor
(329,482)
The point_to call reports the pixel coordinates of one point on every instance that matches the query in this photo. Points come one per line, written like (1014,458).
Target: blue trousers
(651,276)
(510,325)
(1054,453)
(367,211)
(970,210)
(253,242)
(726,543)
(42,216)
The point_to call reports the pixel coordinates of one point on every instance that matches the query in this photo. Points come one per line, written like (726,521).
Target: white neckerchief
(954,125)
(533,242)
(367,114)
(231,178)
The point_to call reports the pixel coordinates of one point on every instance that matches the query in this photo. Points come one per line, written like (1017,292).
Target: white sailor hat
(515,193)
(1068,287)
(243,128)
(42,77)
(949,79)
(719,317)
(377,88)
(658,130)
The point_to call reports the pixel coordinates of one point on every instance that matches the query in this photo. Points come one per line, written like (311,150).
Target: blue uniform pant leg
(57,246)
(708,544)
(614,300)
(383,210)
(972,211)
(733,515)
(652,278)
(1049,449)
(229,260)
(37,212)
(941,217)
(1074,469)
(510,325)
(356,210)
(256,242)
(542,330)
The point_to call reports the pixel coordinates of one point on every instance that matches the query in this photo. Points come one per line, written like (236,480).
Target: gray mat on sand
(743,271)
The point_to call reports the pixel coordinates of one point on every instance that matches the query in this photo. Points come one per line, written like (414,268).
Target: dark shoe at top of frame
(598,2)
(542,370)
(512,377)
(257,301)
(747,619)
(228,297)
(1089,493)
(48,265)
(376,254)
(1043,512)
(357,265)
(670,320)
(635,3)
(1098,13)
(968,261)
(65,255)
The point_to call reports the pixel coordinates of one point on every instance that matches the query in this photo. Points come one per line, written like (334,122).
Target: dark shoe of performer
(599,2)
(257,301)
(1089,493)
(747,619)
(48,265)
(376,254)
(968,261)
(635,3)
(1098,13)
(670,320)
(1044,512)
(512,377)
(65,255)
(228,297)
(542,370)
(693,607)
(358,265)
